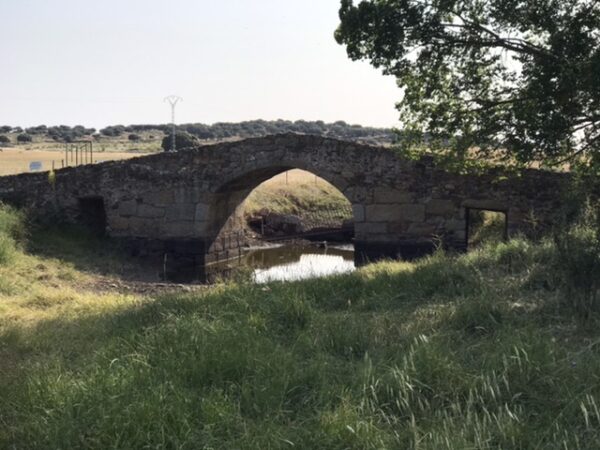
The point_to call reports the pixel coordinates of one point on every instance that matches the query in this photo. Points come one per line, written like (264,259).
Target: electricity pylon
(173,100)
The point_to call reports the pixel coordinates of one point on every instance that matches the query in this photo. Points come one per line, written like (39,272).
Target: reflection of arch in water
(309,265)
(291,254)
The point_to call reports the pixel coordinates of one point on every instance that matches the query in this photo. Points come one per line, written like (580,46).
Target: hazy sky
(105,62)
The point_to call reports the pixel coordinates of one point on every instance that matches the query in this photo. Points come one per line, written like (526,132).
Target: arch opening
(281,218)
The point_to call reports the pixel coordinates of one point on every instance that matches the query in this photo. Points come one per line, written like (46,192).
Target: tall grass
(578,248)
(478,351)
(11,231)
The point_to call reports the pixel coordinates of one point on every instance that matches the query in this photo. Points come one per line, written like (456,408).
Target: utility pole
(173,100)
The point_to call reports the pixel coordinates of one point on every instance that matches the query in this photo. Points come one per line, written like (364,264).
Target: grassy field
(477,351)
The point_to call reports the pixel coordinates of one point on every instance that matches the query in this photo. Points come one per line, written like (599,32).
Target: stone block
(181,211)
(383,213)
(159,198)
(390,195)
(118,223)
(359,213)
(412,212)
(148,211)
(421,229)
(441,207)
(398,228)
(201,213)
(357,194)
(127,208)
(144,227)
(456,226)
(179,229)
(368,228)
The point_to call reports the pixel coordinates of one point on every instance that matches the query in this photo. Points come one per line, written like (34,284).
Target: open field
(450,352)
(17,160)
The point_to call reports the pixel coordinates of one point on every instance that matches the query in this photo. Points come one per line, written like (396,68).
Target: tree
(183,140)
(515,78)
(4,139)
(24,137)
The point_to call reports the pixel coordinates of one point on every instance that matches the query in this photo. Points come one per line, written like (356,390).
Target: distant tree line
(60,133)
(217,131)
(254,128)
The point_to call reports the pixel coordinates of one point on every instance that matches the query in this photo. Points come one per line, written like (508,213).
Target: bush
(578,263)
(4,139)
(182,140)
(133,137)
(24,137)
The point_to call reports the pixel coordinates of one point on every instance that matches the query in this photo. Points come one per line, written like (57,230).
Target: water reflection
(297,262)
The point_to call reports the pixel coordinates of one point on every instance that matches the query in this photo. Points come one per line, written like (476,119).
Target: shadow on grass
(87,252)
(438,291)
(343,362)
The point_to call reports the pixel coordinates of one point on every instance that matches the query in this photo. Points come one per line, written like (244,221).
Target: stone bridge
(184,206)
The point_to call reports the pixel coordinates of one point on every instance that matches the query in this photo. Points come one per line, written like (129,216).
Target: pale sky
(108,62)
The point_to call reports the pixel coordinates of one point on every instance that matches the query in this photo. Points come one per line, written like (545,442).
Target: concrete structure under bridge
(184,206)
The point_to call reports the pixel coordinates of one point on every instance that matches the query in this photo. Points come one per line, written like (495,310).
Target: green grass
(11,232)
(451,352)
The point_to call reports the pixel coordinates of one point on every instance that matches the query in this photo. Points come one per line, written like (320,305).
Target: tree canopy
(519,79)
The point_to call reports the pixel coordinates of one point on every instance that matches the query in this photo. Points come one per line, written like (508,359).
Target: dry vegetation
(17,157)
(296,193)
(17,160)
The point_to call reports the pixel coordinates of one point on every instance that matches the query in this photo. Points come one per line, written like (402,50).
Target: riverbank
(475,351)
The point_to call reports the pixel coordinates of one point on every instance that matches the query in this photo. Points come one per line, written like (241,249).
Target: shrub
(578,263)
(24,137)
(133,137)
(4,139)
(182,140)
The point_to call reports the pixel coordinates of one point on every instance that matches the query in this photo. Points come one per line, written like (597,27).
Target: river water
(289,262)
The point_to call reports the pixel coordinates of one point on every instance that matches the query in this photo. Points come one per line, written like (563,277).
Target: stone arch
(232,191)
(224,214)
